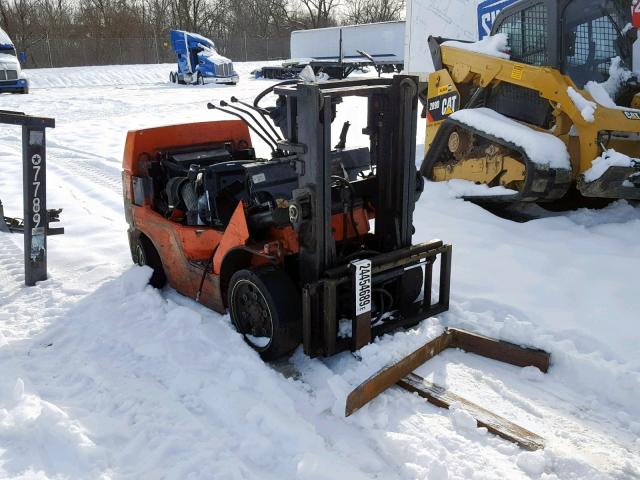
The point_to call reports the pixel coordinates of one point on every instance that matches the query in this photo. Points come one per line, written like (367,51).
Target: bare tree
(319,13)
(370,11)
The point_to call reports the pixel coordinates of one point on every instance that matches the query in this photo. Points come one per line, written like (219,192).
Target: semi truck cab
(199,62)
(12,79)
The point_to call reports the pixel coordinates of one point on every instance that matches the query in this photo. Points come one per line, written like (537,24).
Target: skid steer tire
(146,254)
(265,307)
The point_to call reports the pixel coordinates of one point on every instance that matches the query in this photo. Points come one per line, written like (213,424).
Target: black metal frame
(35,225)
(391,126)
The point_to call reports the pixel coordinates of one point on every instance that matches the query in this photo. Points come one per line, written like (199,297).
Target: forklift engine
(312,245)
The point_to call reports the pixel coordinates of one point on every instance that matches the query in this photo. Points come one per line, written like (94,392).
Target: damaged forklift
(311,239)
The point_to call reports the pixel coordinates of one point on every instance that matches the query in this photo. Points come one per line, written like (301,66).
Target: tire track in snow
(87,169)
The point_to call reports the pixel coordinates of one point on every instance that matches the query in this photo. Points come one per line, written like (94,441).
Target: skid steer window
(527,31)
(593,36)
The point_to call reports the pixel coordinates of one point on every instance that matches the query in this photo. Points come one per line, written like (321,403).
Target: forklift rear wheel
(265,308)
(146,254)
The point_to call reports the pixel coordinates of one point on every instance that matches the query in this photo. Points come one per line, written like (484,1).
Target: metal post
(36,217)
(35,204)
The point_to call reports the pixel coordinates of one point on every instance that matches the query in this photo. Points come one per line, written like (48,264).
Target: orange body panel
(361,218)
(235,235)
(152,140)
(184,250)
(180,246)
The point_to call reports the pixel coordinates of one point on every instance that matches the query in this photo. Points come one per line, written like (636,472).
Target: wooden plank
(390,375)
(497,425)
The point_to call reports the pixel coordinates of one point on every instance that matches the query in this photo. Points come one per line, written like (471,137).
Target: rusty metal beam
(499,349)
(401,373)
(497,425)
(391,374)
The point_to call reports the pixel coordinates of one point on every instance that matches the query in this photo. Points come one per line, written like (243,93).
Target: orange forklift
(312,245)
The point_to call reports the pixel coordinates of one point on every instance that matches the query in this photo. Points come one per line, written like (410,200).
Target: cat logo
(441,106)
(449,105)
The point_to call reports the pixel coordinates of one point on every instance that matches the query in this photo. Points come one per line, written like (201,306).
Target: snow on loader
(313,237)
(557,113)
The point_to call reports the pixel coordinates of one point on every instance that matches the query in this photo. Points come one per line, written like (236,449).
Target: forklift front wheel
(146,254)
(265,308)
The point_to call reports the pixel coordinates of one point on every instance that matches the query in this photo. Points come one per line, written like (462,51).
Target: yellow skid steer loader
(556,109)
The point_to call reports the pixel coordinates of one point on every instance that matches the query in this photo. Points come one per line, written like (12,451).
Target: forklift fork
(400,373)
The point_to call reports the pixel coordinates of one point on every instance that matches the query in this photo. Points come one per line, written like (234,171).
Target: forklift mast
(392,187)
(392,114)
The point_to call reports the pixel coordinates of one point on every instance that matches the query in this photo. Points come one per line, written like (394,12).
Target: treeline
(85,32)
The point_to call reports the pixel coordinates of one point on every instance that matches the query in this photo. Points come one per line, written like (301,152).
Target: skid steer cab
(311,245)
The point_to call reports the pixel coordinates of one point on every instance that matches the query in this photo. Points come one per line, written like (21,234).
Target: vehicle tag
(362,277)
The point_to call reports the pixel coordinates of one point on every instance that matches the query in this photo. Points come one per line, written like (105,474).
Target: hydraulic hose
(267,91)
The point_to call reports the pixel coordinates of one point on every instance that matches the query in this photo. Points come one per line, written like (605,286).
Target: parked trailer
(12,79)
(338,51)
(198,61)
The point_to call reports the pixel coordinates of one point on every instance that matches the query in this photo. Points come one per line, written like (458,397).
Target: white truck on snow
(12,79)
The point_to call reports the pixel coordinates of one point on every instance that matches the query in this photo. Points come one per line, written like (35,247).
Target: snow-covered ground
(104,377)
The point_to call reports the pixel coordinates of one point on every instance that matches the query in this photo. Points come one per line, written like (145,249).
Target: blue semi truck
(199,62)
(12,78)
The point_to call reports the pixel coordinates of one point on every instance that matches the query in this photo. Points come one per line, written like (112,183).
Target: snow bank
(495,46)
(542,148)
(586,107)
(172,391)
(46,437)
(610,158)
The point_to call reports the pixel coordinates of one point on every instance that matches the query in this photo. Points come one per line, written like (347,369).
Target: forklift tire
(172,77)
(200,79)
(265,307)
(146,254)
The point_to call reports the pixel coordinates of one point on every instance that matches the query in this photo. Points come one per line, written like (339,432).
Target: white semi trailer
(456,19)
(338,51)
